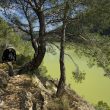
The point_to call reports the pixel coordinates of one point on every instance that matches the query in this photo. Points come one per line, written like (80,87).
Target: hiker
(8,57)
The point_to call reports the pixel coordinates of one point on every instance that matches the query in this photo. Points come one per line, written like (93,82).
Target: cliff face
(25,92)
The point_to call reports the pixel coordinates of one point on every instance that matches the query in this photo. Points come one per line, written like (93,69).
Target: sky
(36,24)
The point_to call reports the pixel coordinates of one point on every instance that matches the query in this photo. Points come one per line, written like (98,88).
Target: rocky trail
(29,92)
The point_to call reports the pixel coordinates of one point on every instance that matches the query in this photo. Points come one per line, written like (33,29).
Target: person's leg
(10,66)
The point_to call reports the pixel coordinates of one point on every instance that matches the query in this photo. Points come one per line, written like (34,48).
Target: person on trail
(8,57)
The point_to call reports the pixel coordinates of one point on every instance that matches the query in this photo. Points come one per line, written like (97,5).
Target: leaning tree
(25,15)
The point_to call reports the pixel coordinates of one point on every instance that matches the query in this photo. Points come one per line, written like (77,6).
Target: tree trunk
(40,53)
(34,44)
(61,84)
(39,44)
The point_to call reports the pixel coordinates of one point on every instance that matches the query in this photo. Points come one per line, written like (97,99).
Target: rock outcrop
(26,92)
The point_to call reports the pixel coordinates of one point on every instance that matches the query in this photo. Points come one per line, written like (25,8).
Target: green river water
(94,88)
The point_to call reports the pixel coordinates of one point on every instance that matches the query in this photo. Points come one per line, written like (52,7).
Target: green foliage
(79,77)
(9,37)
(41,71)
(97,17)
(51,49)
(102,106)
(22,59)
(97,49)
(94,18)
(59,104)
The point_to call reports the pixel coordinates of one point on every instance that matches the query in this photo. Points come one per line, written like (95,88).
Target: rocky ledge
(28,92)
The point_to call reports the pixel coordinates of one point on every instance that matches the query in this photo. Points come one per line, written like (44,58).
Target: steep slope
(28,92)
